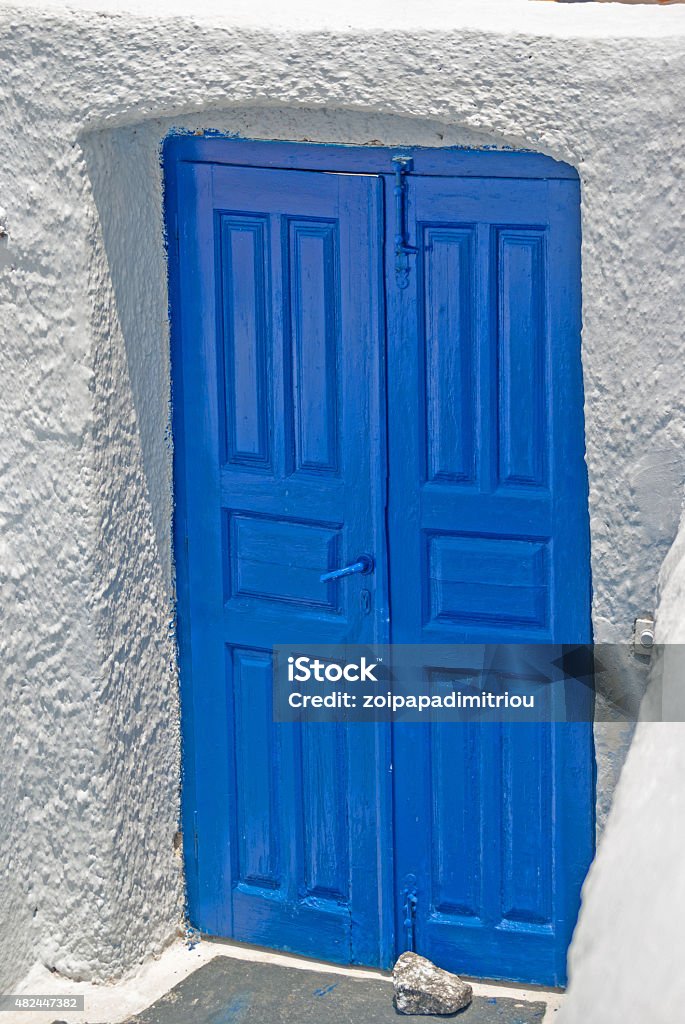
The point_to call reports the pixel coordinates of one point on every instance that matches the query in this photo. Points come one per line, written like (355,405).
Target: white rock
(422,988)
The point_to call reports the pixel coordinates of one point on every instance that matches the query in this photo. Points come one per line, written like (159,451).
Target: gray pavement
(230,991)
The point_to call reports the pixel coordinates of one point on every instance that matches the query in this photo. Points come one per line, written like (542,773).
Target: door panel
(282,459)
(488,536)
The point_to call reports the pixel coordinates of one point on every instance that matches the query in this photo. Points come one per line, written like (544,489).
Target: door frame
(212,148)
(315,156)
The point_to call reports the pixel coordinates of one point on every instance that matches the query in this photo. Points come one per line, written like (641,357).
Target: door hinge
(409,912)
(403,165)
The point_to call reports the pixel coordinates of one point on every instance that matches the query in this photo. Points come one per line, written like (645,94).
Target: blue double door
(329,402)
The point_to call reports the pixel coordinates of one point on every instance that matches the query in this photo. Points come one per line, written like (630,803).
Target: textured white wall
(89,741)
(626,964)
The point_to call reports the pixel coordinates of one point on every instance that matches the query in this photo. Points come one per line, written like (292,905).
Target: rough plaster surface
(89,742)
(629,945)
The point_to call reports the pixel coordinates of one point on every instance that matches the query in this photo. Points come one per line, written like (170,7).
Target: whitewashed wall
(626,964)
(89,746)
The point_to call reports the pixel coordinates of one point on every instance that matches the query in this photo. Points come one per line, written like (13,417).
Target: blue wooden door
(488,510)
(322,412)
(280,478)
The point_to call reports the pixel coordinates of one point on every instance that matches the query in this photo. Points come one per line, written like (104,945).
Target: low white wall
(89,743)
(626,962)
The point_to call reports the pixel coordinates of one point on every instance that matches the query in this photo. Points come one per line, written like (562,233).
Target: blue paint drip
(325,991)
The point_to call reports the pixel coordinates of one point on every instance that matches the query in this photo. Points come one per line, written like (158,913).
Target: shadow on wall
(133,577)
(124,173)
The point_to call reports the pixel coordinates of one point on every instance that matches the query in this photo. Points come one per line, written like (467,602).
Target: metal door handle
(364,565)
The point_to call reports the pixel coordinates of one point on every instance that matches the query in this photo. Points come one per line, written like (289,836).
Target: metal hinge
(409,912)
(403,165)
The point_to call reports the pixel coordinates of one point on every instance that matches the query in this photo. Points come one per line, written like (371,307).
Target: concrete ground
(230,991)
(240,989)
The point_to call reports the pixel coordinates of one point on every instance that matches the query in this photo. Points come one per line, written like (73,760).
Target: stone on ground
(422,988)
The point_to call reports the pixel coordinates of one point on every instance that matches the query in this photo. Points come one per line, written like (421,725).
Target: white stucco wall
(626,963)
(89,743)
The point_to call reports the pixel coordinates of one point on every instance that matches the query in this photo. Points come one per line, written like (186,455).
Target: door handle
(364,565)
